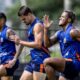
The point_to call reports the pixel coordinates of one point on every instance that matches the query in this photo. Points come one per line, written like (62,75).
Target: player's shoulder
(59,32)
(9,30)
(38,26)
(39,22)
(73,30)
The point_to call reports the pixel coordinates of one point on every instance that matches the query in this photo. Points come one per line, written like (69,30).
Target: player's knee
(46,61)
(49,69)
(2,70)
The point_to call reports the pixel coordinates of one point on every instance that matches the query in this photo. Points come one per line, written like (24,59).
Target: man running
(34,69)
(7,49)
(69,40)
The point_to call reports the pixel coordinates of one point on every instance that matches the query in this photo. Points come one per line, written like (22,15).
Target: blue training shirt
(34,52)
(7,47)
(69,48)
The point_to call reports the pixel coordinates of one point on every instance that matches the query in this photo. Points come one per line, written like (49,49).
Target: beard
(63,23)
(27,23)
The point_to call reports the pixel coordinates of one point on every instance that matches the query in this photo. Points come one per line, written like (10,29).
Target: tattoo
(11,34)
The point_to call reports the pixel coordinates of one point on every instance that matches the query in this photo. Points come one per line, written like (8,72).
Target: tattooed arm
(11,35)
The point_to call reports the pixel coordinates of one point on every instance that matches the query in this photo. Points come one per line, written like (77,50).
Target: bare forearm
(30,44)
(46,38)
(18,52)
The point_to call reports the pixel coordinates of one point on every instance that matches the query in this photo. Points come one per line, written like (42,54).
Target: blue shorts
(4,62)
(33,66)
(10,71)
(36,63)
(70,71)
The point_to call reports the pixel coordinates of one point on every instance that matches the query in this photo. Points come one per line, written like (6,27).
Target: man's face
(2,21)
(25,19)
(63,20)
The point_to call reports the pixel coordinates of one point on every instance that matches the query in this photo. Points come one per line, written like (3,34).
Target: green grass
(55,54)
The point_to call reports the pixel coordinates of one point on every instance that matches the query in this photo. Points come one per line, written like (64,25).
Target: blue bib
(69,47)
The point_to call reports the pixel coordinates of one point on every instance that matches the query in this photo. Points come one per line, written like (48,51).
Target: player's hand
(11,63)
(47,21)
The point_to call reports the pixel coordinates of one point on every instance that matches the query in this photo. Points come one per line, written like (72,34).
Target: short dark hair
(24,11)
(71,15)
(2,15)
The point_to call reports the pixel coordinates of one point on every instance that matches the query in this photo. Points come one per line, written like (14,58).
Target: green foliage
(76,8)
(40,8)
(55,54)
(27,58)
(46,7)
(12,14)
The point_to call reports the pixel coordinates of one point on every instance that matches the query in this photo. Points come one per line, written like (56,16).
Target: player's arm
(12,36)
(12,62)
(38,35)
(75,34)
(48,41)
(18,52)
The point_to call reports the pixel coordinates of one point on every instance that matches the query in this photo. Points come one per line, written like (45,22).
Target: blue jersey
(35,53)
(7,47)
(69,48)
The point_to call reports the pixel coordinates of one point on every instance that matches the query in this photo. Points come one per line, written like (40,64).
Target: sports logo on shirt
(1,40)
(64,40)
(66,54)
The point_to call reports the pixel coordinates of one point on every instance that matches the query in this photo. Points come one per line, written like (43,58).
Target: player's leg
(2,70)
(39,76)
(38,71)
(28,72)
(62,78)
(7,78)
(26,75)
(52,64)
(57,63)
(50,73)
(7,73)
(3,73)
